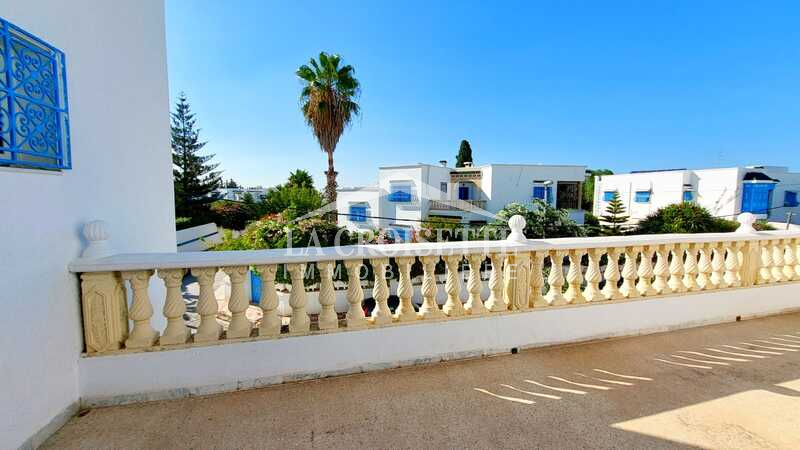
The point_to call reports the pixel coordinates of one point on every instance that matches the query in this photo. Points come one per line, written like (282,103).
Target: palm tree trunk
(330,186)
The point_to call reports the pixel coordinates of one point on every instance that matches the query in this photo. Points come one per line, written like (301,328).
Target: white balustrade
(522,274)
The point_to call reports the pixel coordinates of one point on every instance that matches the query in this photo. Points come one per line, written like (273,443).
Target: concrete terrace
(735,385)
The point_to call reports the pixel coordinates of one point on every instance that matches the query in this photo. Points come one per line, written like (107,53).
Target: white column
(209,329)
(240,326)
(176,331)
(355,317)
(453,306)
(612,275)
(765,269)
(495,303)
(142,335)
(381,314)
(405,310)
(299,323)
(474,305)
(270,322)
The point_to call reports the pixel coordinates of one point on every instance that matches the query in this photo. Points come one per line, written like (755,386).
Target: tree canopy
(464,153)
(541,221)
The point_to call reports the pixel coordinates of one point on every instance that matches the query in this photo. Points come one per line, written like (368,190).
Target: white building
(406,195)
(108,162)
(237,194)
(769,192)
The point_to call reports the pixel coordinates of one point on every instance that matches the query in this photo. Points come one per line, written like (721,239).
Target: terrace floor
(734,385)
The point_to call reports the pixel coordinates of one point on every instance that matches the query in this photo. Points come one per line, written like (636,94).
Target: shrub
(183,222)
(685,217)
(541,221)
(231,215)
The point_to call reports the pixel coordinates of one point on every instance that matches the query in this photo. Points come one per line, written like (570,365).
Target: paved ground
(728,386)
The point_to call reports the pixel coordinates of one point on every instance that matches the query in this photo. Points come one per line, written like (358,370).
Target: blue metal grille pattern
(34,123)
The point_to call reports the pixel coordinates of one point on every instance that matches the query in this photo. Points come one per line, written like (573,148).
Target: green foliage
(613,221)
(194,178)
(686,217)
(441,229)
(231,215)
(591,224)
(300,178)
(464,153)
(183,222)
(231,184)
(542,221)
(291,201)
(588,187)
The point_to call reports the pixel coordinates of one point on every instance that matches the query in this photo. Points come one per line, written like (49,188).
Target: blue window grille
(358,213)
(400,193)
(34,125)
(756,197)
(463,192)
(790,199)
(642,196)
(688,196)
(539,192)
(608,196)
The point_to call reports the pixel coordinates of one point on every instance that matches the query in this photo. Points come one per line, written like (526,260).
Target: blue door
(755,197)
(463,192)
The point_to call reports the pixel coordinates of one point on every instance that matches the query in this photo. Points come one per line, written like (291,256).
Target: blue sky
(619,85)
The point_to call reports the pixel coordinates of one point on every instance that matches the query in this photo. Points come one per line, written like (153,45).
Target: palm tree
(328,102)
(300,178)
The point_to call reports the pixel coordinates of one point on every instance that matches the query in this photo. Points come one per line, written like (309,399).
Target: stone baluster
(405,290)
(142,335)
(535,297)
(777,261)
(240,326)
(789,260)
(628,288)
(474,305)
(209,329)
(612,275)
(299,323)
(574,279)
(496,303)
(717,265)
(516,280)
(270,321)
(355,317)
(731,275)
(675,281)
(795,247)
(327,320)
(555,279)
(690,269)
(593,277)
(704,268)
(429,309)
(661,270)
(176,331)
(645,272)
(765,268)
(381,314)
(453,306)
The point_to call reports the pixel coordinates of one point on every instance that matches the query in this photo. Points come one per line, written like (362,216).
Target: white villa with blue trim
(769,192)
(406,195)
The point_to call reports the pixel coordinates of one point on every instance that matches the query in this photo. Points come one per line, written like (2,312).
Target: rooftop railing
(524,275)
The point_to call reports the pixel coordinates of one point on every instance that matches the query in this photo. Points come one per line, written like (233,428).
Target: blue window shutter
(608,196)
(790,199)
(400,193)
(539,192)
(688,196)
(642,196)
(358,213)
(755,197)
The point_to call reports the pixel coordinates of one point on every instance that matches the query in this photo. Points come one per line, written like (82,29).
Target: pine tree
(464,154)
(231,183)
(614,219)
(195,180)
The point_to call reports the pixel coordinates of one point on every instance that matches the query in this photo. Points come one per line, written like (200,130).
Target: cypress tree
(195,179)
(464,154)
(614,219)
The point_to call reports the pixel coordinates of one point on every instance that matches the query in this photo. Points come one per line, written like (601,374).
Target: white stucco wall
(119,124)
